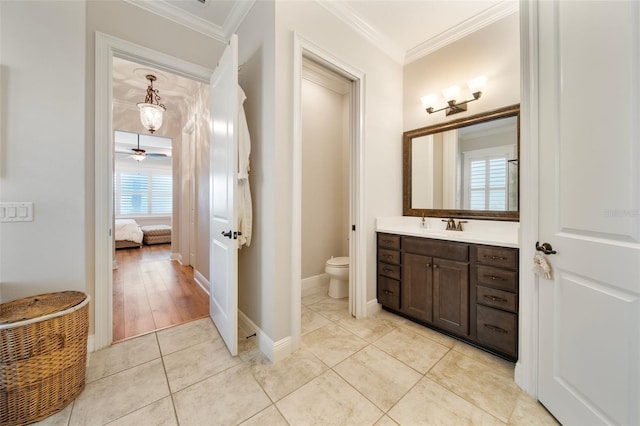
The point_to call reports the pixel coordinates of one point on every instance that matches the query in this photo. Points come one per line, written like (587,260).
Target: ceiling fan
(140,154)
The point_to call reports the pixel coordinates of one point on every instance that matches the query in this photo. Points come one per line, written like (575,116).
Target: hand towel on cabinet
(245,207)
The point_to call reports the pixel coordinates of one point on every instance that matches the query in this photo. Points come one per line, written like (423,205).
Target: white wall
(256,276)
(493,51)
(42,147)
(325,182)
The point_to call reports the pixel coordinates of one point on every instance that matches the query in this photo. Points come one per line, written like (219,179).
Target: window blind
(143,193)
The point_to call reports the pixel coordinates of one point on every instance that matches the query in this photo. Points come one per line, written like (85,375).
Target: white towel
(245,206)
(541,266)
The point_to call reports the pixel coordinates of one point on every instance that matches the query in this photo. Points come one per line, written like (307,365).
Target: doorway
(153,281)
(108,48)
(306,51)
(326,120)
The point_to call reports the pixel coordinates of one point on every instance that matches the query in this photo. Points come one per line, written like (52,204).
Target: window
(145,192)
(487,186)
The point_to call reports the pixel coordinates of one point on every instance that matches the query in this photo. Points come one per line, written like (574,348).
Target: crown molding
(481,20)
(347,15)
(235,17)
(179,16)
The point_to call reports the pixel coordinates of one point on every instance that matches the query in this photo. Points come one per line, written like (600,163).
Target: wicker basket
(43,355)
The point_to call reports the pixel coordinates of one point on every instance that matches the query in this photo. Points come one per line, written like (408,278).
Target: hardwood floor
(151,292)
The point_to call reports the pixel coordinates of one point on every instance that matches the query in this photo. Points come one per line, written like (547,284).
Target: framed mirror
(466,168)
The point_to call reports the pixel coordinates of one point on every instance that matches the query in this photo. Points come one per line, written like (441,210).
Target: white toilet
(338,270)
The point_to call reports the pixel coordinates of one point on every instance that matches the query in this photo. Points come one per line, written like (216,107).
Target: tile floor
(382,370)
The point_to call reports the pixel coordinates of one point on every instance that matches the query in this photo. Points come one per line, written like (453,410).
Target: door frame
(106,48)
(303,48)
(526,370)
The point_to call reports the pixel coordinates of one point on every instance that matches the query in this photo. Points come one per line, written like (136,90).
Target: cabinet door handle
(388,292)
(495,328)
(494,298)
(435,266)
(387,270)
(493,278)
(495,257)
(388,256)
(387,241)
(428,265)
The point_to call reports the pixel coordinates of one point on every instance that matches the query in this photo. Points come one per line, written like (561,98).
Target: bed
(128,234)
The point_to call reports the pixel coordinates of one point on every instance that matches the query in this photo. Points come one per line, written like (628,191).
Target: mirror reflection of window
(486,183)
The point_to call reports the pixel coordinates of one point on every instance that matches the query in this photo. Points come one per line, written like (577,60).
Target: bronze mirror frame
(407,210)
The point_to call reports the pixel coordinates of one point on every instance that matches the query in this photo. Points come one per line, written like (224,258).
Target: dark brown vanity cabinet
(466,290)
(495,280)
(435,283)
(389,270)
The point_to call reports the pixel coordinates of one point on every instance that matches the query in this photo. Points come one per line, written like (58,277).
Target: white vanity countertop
(490,232)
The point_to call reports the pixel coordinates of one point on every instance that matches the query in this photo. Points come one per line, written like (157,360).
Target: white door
(589,176)
(223,306)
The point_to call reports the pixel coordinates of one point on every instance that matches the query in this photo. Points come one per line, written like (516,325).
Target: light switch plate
(16,212)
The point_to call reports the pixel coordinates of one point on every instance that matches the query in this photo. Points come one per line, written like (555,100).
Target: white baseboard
(320,280)
(91,346)
(201,281)
(274,351)
(373,306)
(176,256)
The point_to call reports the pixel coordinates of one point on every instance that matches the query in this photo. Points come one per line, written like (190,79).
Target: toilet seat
(338,262)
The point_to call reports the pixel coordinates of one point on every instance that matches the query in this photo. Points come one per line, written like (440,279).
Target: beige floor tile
(529,412)
(490,387)
(114,396)
(386,421)
(333,309)
(332,344)
(311,320)
(328,399)
(227,398)
(443,339)
(411,348)
(270,416)
(186,335)
(61,418)
(122,356)
(314,295)
(196,363)
(482,356)
(430,404)
(378,376)
(287,375)
(397,320)
(159,413)
(370,329)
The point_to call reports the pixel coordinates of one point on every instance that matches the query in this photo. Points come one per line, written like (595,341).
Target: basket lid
(38,306)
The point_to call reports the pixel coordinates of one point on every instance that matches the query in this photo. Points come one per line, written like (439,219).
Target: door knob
(545,248)
(226,234)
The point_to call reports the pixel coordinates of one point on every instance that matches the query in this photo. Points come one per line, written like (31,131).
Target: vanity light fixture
(476,87)
(151,109)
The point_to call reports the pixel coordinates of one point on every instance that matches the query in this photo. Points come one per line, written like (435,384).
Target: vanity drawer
(389,292)
(436,248)
(389,256)
(497,278)
(497,298)
(497,256)
(389,241)
(391,271)
(497,329)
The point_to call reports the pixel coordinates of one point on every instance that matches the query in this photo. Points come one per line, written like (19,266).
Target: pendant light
(151,110)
